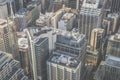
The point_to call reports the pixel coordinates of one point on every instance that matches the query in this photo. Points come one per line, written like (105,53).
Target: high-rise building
(94,51)
(10,68)
(97,35)
(109,70)
(90,17)
(34,9)
(24,55)
(39,51)
(111,23)
(113,47)
(8,38)
(22,18)
(73,43)
(3,9)
(62,66)
(114,5)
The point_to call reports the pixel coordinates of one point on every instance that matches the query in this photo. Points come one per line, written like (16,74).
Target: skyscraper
(90,17)
(3,9)
(109,70)
(114,5)
(68,47)
(111,23)
(96,39)
(63,67)
(73,43)
(24,55)
(10,68)
(39,52)
(113,47)
(8,38)
(94,51)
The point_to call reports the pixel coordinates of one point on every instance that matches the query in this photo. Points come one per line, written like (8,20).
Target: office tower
(39,52)
(73,43)
(97,35)
(55,5)
(114,5)
(63,67)
(8,38)
(3,9)
(56,18)
(90,17)
(109,70)
(72,4)
(94,51)
(113,47)
(24,55)
(22,18)
(44,5)
(10,68)
(66,22)
(111,23)
(34,10)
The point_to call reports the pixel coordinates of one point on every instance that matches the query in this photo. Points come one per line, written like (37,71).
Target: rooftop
(90,11)
(21,12)
(99,30)
(91,3)
(23,43)
(71,39)
(113,61)
(113,15)
(38,34)
(43,18)
(115,37)
(64,60)
(67,16)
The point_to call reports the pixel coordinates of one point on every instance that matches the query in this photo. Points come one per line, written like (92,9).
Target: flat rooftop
(113,61)
(89,11)
(91,3)
(71,39)
(64,60)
